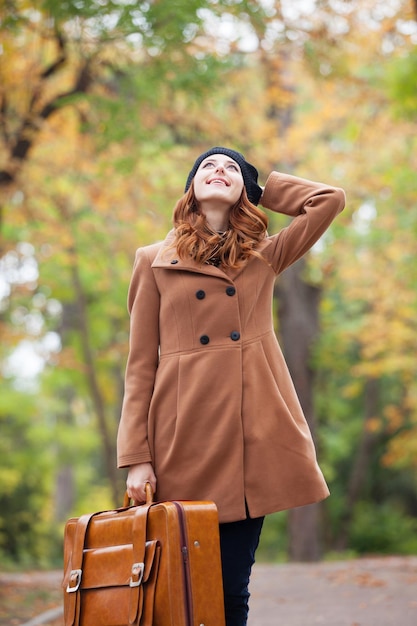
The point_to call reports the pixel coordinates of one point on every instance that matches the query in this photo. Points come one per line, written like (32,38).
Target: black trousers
(238,543)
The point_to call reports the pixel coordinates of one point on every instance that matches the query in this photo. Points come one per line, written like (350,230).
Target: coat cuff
(127,460)
(287,194)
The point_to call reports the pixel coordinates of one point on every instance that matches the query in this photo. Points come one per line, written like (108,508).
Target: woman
(210,411)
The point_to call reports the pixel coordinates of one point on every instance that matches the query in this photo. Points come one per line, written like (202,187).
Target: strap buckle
(137,574)
(74,580)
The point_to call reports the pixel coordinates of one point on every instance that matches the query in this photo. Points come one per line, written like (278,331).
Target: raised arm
(313,206)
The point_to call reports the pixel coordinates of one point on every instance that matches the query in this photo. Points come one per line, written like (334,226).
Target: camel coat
(208,396)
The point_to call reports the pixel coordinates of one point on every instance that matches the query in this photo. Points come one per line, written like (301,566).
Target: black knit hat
(249,172)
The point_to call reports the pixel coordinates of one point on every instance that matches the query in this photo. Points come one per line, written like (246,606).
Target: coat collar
(167,258)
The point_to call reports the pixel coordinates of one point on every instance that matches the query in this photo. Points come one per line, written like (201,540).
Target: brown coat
(208,397)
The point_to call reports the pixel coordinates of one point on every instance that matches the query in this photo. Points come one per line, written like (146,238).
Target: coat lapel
(167,258)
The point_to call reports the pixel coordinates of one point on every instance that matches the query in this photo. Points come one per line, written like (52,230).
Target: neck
(217,217)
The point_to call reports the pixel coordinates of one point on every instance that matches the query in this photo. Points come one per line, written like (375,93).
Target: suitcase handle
(127,501)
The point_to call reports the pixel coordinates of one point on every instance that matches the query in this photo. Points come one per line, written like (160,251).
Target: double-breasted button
(174,261)
(230,291)
(200,294)
(204,339)
(235,336)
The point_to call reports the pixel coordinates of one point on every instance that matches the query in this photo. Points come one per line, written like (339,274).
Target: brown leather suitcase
(156,564)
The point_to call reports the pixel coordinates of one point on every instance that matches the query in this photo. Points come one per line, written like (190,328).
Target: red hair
(196,239)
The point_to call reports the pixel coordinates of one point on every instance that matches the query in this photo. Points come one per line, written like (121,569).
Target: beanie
(249,172)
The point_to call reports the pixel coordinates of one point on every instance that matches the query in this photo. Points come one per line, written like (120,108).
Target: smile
(218,181)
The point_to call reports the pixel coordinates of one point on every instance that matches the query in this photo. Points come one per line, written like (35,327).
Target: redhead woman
(210,411)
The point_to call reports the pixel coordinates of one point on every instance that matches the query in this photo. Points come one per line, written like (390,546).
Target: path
(361,592)
(365,592)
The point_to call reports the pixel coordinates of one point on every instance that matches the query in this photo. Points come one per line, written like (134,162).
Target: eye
(208,164)
(233,167)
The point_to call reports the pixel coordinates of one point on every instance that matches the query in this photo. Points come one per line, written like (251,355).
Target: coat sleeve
(142,363)
(312,205)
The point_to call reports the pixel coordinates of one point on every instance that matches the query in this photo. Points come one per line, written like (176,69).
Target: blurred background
(104,105)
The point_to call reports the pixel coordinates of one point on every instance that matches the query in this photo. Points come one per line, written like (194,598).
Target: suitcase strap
(74,581)
(140,573)
(145,567)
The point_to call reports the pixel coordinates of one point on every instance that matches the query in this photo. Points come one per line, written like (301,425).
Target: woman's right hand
(137,478)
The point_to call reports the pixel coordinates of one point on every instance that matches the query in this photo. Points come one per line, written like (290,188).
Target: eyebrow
(208,159)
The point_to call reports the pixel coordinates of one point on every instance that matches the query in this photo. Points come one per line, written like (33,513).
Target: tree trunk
(80,322)
(64,492)
(365,451)
(96,395)
(304,533)
(298,304)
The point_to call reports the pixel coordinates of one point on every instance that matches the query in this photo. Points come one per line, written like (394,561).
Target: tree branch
(3,111)
(30,125)
(49,71)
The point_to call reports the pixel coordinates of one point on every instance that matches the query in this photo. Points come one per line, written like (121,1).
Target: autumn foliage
(103,107)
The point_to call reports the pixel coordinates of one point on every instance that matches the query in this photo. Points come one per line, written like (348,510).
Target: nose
(220,168)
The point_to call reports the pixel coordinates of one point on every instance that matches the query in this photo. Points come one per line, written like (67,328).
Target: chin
(214,194)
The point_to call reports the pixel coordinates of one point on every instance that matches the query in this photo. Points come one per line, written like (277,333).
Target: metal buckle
(137,574)
(75,577)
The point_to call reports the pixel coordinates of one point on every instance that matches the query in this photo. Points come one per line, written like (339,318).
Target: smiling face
(219,181)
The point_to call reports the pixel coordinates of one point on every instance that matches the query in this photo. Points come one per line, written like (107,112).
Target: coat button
(235,336)
(174,261)
(204,339)
(230,291)
(200,294)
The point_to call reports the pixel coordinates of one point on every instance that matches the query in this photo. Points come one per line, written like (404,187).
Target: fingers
(137,478)
(138,492)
